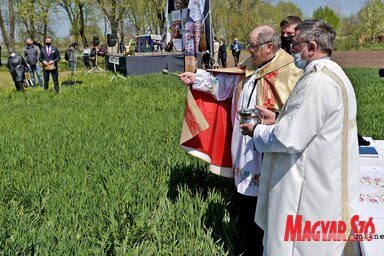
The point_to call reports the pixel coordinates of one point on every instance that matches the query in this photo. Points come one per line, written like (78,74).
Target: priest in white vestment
(269,78)
(311,165)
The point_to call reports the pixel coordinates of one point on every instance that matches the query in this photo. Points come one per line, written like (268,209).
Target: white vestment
(246,161)
(311,162)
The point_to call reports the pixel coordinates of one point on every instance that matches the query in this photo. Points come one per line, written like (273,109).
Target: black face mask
(286,43)
(48,44)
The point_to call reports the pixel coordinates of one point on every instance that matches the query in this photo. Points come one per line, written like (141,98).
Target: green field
(97,170)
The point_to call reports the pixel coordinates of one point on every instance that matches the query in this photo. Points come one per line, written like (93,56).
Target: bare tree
(7,16)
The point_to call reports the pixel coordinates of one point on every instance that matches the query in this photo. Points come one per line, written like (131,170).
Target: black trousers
(223,63)
(86,62)
(236,57)
(19,85)
(55,77)
(250,235)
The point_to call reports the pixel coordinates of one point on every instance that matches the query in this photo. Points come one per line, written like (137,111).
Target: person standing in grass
(17,66)
(235,47)
(223,53)
(216,46)
(50,57)
(86,56)
(31,55)
(311,161)
(92,55)
(266,79)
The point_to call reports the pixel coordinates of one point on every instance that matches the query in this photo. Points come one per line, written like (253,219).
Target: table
(371,202)
(145,63)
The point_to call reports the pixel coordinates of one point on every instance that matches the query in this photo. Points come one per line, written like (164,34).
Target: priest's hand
(268,117)
(247,129)
(188,78)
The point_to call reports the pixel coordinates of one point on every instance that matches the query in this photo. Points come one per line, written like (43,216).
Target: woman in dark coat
(17,67)
(223,54)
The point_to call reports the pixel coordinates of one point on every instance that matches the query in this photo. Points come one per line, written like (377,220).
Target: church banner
(196,28)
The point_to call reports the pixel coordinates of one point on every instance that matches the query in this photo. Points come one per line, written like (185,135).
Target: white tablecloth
(372,199)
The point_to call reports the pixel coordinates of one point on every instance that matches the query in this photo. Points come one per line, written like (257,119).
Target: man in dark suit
(50,56)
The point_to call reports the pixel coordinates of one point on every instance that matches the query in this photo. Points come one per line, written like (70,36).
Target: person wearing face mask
(31,55)
(17,67)
(287,26)
(50,57)
(311,160)
(265,78)
(235,47)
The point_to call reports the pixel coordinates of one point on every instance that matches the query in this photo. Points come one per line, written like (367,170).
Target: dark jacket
(223,51)
(70,54)
(31,54)
(55,55)
(17,67)
(235,48)
(93,53)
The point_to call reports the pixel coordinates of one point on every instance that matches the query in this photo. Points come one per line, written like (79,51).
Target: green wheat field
(97,169)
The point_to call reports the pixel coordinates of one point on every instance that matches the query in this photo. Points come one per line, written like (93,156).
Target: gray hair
(269,35)
(320,32)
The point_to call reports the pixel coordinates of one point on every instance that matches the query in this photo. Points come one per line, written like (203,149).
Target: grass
(97,169)
(370,97)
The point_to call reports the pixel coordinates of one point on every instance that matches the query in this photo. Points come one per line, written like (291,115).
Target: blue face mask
(299,63)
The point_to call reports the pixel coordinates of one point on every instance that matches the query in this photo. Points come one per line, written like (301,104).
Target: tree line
(126,18)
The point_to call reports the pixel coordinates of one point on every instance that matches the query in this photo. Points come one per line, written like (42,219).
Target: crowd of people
(41,61)
(301,158)
(34,53)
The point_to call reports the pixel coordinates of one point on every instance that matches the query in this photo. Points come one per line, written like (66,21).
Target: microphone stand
(115,74)
(96,67)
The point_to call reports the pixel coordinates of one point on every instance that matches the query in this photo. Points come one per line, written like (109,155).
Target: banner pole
(210,29)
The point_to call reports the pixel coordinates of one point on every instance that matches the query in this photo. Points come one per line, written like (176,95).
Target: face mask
(48,44)
(299,63)
(286,43)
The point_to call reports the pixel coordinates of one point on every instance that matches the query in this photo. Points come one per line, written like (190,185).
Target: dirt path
(344,59)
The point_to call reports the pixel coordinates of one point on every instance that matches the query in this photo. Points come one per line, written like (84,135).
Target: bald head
(265,34)
(263,43)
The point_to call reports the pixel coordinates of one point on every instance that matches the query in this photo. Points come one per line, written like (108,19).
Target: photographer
(70,56)
(92,55)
